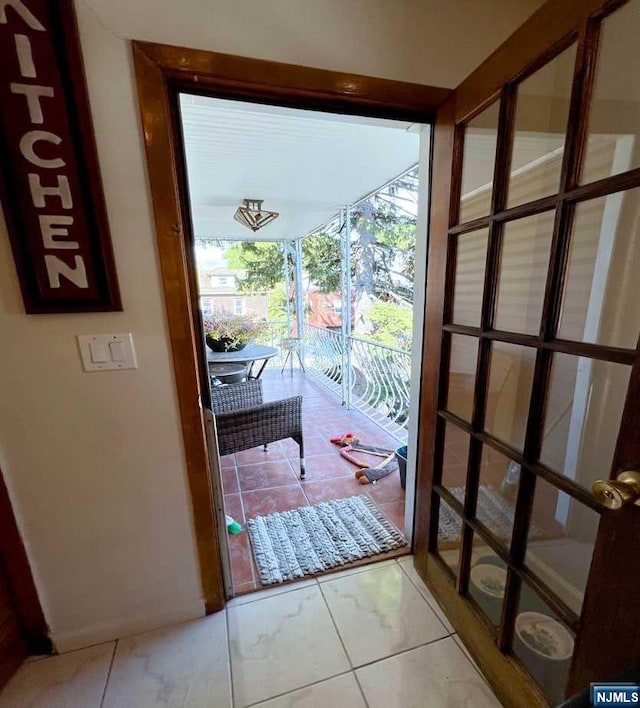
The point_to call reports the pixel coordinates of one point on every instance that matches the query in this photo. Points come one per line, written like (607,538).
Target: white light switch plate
(105,352)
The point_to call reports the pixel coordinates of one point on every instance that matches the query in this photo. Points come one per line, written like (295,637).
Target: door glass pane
(499,481)
(561,539)
(487,582)
(478,160)
(614,117)
(523,273)
(471,256)
(600,303)
(543,643)
(462,375)
(454,460)
(509,392)
(449,536)
(542,110)
(584,409)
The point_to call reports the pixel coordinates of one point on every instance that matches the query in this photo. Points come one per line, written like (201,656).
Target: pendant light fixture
(253,216)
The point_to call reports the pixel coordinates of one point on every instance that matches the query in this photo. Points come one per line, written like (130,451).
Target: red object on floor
(346,453)
(343,439)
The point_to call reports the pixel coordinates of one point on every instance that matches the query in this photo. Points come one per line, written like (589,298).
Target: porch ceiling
(304,164)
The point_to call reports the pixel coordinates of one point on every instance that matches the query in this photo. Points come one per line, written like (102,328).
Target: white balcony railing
(376,378)
(376,382)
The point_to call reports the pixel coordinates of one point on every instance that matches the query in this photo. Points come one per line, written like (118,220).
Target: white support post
(347,311)
(297,261)
(287,285)
(345,291)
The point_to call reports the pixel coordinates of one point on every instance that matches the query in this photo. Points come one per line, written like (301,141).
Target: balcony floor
(256,482)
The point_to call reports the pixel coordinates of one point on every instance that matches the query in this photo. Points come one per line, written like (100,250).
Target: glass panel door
(480,139)
(541,327)
(540,124)
(614,115)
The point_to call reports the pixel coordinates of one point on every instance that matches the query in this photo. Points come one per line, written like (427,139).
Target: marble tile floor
(371,636)
(257,482)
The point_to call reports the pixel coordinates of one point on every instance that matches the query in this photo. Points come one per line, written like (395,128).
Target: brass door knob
(619,492)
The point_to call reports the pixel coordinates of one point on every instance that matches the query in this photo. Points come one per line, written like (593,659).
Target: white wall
(435,42)
(94,462)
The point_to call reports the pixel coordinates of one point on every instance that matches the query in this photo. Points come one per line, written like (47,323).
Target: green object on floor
(233,527)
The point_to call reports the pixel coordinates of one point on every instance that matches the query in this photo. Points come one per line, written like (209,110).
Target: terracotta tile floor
(257,482)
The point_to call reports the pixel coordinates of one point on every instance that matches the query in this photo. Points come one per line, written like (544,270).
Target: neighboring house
(324,309)
(220,292)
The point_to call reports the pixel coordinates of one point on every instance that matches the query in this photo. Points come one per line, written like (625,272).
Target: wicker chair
(243,421)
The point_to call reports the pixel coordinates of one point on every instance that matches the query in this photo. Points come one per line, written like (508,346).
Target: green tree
(277,304)
(391,324)
(321,261)
(384,250)
(262,262)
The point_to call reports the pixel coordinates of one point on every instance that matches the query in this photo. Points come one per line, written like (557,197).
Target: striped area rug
(494,510)
(308,540)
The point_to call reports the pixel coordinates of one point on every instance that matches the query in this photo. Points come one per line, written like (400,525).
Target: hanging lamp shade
(253,216)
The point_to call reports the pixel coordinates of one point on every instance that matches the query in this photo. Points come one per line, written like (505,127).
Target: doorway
(162,72)
(329,280)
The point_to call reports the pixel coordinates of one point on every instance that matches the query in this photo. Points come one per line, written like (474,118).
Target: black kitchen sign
(50,183)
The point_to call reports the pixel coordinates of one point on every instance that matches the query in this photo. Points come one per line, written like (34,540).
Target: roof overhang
(304,164)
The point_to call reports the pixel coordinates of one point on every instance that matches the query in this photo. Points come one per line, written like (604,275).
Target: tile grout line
(335,626)
(226,624)
(244,521)
(374,565)
(258,463)
(344,648)
(456,638)
(269,489)
(292,585)
(300,688)
(364,698)
(244,518)
(425,599)
(106,683)
(305,494)
(406,651)
(448,635)
(237,476)
(35,658)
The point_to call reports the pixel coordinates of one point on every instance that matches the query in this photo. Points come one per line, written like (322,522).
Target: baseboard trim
(65,641)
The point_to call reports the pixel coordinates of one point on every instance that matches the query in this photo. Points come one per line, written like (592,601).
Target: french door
(531,383)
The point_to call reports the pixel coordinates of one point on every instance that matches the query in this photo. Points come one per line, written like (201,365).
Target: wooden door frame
(530,46)
(23,590)
(161,70)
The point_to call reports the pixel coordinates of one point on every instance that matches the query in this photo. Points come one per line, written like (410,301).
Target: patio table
(249,355)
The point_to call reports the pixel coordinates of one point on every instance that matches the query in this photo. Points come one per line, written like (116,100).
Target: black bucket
(401,457)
